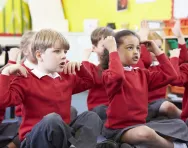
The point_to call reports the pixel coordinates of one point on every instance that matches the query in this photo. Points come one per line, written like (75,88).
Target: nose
(136,51)
(63,55)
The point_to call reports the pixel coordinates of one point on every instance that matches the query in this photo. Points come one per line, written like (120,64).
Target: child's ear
(93,48)
(38,55)
(25,52)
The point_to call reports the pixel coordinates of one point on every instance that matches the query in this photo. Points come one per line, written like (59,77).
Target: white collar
(40,74)
(128,68)
(155,63)
(29,64)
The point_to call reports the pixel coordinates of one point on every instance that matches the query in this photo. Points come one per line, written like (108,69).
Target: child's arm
(182,72)
(13,56)
(86,54)
(145,56)
(165,73)
(82,79)
(181,42)
(113,77)
(11,89)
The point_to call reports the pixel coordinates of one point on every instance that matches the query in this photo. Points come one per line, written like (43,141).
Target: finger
(65,68)
(73,66)
(22,72)
(69,68)
(78,66)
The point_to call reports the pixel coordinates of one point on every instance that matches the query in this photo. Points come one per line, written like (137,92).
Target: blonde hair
(154,36)
(26,40)
(47,38)
(99,33)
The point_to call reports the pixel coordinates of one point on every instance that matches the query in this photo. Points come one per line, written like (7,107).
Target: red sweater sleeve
(182,79)
(163,76)
(183,53)
(145,56)
(11,91)
(83,80)
(114,76)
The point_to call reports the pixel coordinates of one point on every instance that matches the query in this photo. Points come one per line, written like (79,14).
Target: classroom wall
(105,10)
(15,18)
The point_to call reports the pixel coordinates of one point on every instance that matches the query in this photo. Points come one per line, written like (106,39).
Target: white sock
(179,145)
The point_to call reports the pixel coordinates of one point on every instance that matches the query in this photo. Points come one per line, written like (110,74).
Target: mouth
(62,64)
(135,58)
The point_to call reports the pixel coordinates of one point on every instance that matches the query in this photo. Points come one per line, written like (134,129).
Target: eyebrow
(132,45)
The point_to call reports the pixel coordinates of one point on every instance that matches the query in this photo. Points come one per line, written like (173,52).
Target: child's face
(99,49)
(53,59)
(129,50)
(159,44)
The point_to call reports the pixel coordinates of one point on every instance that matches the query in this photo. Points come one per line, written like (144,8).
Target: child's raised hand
(144,30)
(152,47)
(71,67)
(110,44)
(174,52)
(15,69)
(177,29)
(87,53)
(14,53)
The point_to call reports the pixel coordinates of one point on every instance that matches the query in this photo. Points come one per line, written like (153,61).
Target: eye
(138,48)
(57,51)
(65,51)
(130,48)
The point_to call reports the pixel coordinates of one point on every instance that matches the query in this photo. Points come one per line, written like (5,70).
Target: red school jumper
(41,96)
(128,91)
(97,94)
(161,92)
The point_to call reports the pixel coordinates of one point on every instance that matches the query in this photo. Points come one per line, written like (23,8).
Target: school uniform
(183,81)
(127,90)
(8,130)
(158,97)
(30,66)
(97,99)
(46,100)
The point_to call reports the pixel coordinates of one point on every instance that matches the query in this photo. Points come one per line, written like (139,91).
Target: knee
(145,134)
(52,119)
(168,107)
(91,118)
(90,115)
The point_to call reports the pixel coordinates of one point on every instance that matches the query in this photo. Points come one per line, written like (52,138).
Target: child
(127,91)
(46,92)
(30,63)
(182,81)
(158,105)
(97,100)
(9,131)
